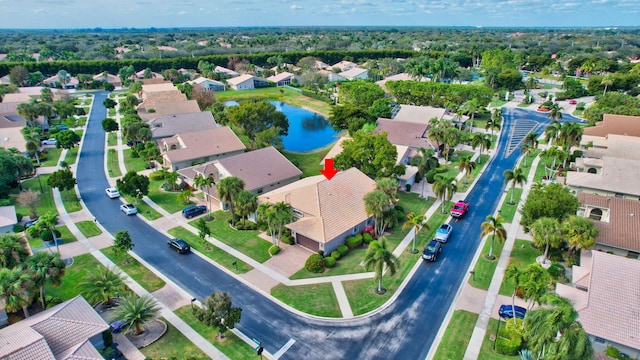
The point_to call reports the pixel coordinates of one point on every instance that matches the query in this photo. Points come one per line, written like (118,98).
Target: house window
(595,214)
(356,229)
(297,213)
(618,195)
(633,255)
(599,340)
(592,171)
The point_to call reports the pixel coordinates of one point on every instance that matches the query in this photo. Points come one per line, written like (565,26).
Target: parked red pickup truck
(459,209)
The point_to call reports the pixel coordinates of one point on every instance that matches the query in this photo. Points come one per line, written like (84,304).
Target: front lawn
(246,241)
(310,163)
(72,155)
(507,210)
(168,200)
(486,351)
(173,345)
(410,202)
(113,165)
(112,138)
(211,251)
(45,204)
(136,270)
(484,269)
(232,346)
(53,156)
(456,338)
(70,201)
(133,163)
(70,287)
(66,237)
(88,228)
(348,264)
(317,299)
(522,255)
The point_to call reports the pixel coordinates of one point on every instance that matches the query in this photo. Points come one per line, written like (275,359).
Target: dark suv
(509,311)
(432,250)
(192,211)
(179,245)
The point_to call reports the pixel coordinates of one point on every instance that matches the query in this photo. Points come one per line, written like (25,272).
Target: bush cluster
(274,249)
(330,261)
(46,235)
(249,225)
(509,339)
(343,249)
(335,254)
(315,263)
(287,239)
(354,241)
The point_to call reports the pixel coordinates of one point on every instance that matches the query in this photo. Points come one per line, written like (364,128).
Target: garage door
(308,243)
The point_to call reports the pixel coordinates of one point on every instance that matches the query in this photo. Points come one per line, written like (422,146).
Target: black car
(432,250)
(179,245)
(508,311)
(192,211)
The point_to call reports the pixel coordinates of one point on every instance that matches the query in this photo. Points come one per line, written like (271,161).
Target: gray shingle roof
(169,125)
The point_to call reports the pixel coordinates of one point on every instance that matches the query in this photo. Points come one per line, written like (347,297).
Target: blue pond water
(307,130)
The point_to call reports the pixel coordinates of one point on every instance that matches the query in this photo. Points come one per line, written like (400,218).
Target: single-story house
(412,134)
(110,78)
(153,75)
(227,72)
(423,114)
(246,82)
(170,125)
(169,108)
(187,149)
(282,79)
(344,65)
(612,177)
(355,73)
(8,218)
(71,330)
(605,295)
(261,171)
(54,82)
(615,124)
(208,84)
(154,94)
(326,211)
(320,65)
(398,77)
(618,221)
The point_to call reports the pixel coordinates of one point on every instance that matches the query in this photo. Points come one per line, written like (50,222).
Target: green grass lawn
(310,162)
(53,157)
(70,287)
(577,113)
(318,299)
(411,202)
(522,255)
(279,94)
(232,346)
(112,163)
(70,201)
(523,105)
(173,345)
(168,200)
(466,181)
(348,264)
(66,237)
(540,170)
(211,251)
(111,112)
(484,268)
(486,351)
(72,155)
(456,338)
(143,209)
(45,204)
(112,138)
(133,163)
(136,270)
(528,160)
(246,241)
(88,228)
(497,103)
(507,210)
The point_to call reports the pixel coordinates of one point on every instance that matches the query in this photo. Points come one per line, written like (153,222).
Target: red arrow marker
(329,171)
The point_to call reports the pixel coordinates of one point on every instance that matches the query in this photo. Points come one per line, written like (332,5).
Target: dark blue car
(118,326)
(509,311)
(192,211)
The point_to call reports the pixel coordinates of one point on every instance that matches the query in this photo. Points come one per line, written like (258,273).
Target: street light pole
(495,342)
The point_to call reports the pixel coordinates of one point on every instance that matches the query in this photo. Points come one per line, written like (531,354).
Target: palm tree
(551,132)
(516,177)
(204,181)
(172,178)
(526,151)
(376,204)
(494,123)
(534,283)
(470,108)
(553,331)
(531,83)
(13,250)
(417,222)
(569,135)
(246,203)
(33,147)
(102,285)
(481,140)
(546,232)
(580,233)
(493,226)
(555,113)
(228,188)
(377,257)
(390,187)
(513,273)
(532,139)
(29,111)
(13,289)
(424,162)
(444,187)
(467,166)
(452,137)
(48,222)
(555,154)
(136,312)
(45,268)
(607,81)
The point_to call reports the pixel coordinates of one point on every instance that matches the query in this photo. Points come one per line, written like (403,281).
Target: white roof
(240,79)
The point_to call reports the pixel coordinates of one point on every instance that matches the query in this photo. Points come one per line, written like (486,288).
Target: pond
(307,130)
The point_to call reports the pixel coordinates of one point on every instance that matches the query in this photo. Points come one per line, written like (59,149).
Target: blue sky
(216,13)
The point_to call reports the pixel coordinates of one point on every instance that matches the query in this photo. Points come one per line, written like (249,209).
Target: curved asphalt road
(404,330)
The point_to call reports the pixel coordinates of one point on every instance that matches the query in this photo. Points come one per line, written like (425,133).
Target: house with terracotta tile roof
(170,125)
(110,78)
(261,170)
(282,79)
(71,330)
(615,177)
(344,65)
(618,221)
(153,75)
(423,114)
(605,293)
(54,82)
(326,211)
(614,124)
(187,149)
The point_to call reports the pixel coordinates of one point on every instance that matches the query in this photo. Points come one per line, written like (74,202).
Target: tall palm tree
(444,187)
(48,222)
(580,233)
(569,135)
(228,188)
(172,179)
(495,227)
(246,203)
(13,250)
(452,137)
(495,122)
(424,162)
(551,132)
(377,257)
(470,108)
(534,282)
(417,222)
(513,273)
(556,155)
(467,166)
(553,331)
(526,151)
(45,268)
(546,232)
(102,285)
(607,81)
(29,111)
(532,139)
(516,177)
(204,181)
(483,141)
(555,112)
(390,187)
(13,289)
(376,204)
(136,312)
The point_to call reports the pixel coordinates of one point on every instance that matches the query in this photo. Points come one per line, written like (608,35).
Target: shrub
(46,235)
(431,176)
(354,241)
(343,249)
(330,262)
(367,238)
(315,263)
(156,176)
(18,228)
(52,301)
(274,249)
(407,187)
(287,239)
(508,343)
(336,254)
(556,270)
(612,352)
(321,253)
(580,106)
(368,230)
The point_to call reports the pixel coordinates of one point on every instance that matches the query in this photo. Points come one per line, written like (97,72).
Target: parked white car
(112,193)
(128,209)
(49,142)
